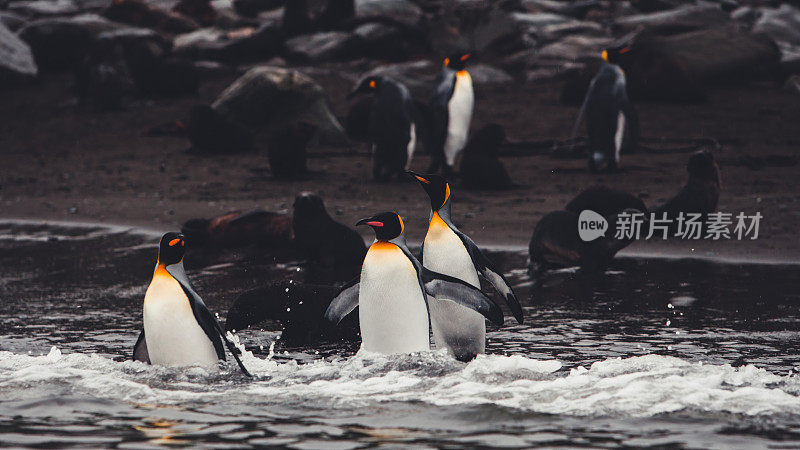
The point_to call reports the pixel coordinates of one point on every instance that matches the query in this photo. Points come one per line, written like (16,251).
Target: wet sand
(66,162)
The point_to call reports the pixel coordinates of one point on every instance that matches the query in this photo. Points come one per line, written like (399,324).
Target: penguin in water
(451,252)
(179,330)
(394,293)
(608,111)
(452,102)
(391,128)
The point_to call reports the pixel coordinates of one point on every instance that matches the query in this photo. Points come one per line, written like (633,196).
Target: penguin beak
(419,177)
(369,221)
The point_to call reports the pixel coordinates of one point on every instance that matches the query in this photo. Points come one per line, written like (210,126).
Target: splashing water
(597,366)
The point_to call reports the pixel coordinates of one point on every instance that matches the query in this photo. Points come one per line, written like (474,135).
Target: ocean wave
(639,386)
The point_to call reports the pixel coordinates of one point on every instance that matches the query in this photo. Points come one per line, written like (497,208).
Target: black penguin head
(437,188)
(702,165)
(171,248)
(387,225)
(457,61)
(615,55)
(368,85)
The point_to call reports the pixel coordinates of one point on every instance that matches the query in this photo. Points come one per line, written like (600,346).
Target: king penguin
(449,251)
(452,103)
(608,111)
(179,330)
(394,293)
(391,128)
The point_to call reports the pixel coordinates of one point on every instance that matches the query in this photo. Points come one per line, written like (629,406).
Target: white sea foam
(632,387)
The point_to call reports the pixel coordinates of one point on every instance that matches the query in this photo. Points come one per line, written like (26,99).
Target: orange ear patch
(372,84)
(466,56)
(447,62)
(422,180)
(625,50)
(174,241)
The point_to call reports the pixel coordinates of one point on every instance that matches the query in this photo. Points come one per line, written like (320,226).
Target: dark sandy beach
(61,161)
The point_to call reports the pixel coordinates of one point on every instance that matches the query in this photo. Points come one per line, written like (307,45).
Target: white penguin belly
(391,310)
(459,110)
(619,135)
(412,145)
(459,329)
(173,336)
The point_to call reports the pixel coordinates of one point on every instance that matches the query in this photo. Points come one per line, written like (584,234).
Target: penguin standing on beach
(449,251)
(452,103)
(179,330)
(391,128)
(608,112)
(395,292)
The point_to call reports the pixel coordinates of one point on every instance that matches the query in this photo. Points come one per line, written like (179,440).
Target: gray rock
(383,41)
(320,47)
(267,98)
(573,48)
(16,59)
(498,32)
(781,24)
(401,10)
(61,42)
(687,18)
(43,8)
(485,74)
(418,76)
(12,21)
(575,8)
(232,46)
(793,84)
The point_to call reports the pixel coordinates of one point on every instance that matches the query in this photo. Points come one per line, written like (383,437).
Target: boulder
(61,42)
(781,24)
(321,47)
(141,14)
(678,67)
(11,20)
(485,74)
(497,31)
(402,11)
(576,9)
(43,8)
(251,8)
(201,11)
(231,46)
(686,18)
(417,76)
(387,42)
(574,48)
(267,98)
(16,58)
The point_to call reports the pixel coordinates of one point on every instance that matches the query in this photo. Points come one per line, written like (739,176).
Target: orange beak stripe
(625,50)
(375,224)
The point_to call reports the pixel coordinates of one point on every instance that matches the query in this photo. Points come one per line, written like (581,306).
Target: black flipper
(460,292)
(486,268)
(205,318)
(140,350)
(344,303)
